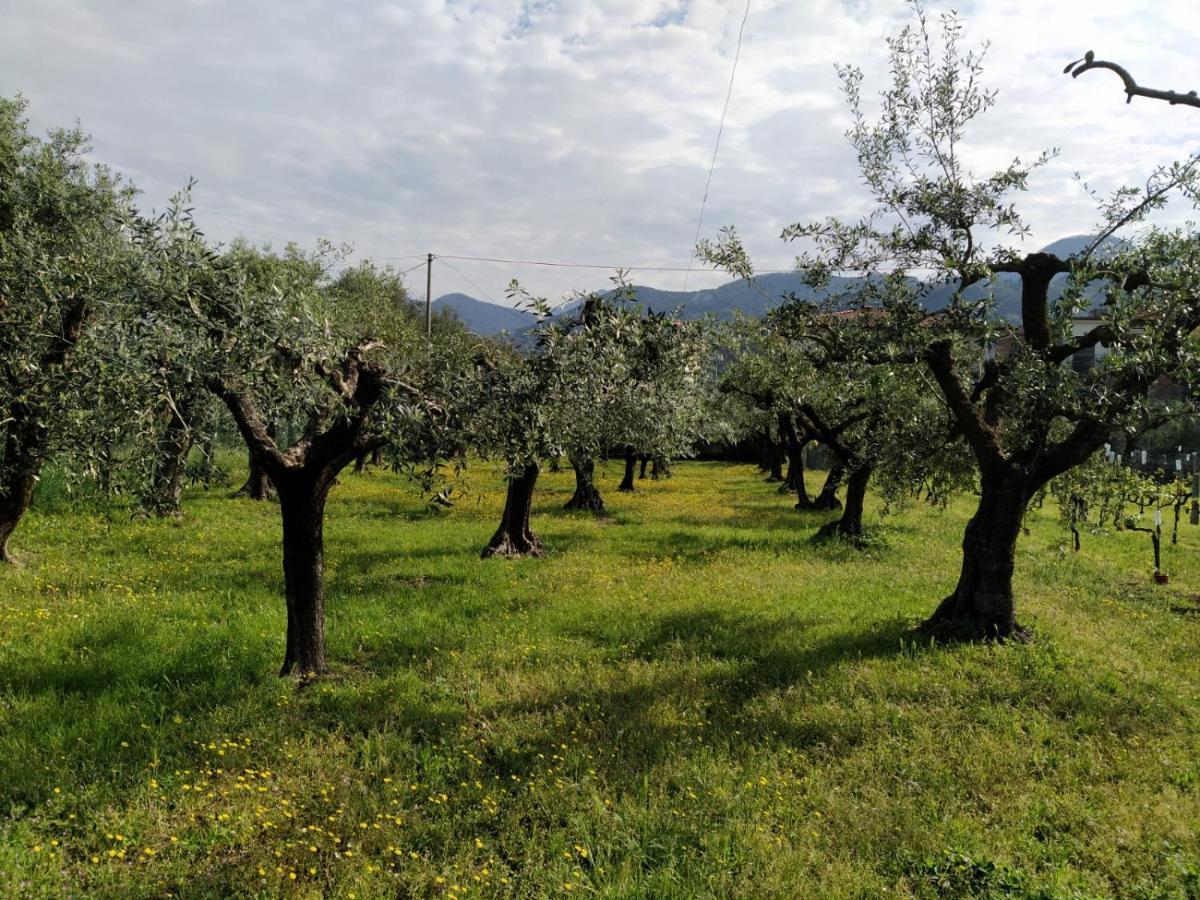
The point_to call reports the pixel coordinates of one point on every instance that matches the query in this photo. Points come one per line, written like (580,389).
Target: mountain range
(757,298)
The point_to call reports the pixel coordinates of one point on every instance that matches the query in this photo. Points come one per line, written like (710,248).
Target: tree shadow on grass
(705,675)
(711,681)
(119,701)
(695,546)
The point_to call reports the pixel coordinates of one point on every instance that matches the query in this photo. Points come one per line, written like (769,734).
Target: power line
(414,268)
(609,266)
(737,53)
(453,268)
(563,265)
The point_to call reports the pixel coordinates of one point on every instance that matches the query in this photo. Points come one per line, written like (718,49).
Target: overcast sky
(576,130)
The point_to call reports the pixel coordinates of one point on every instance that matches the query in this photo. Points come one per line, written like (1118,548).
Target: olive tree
(667,392)
(876,417)
(63,246)
(1025,416)
(263,341)
(604,375)
(765,375)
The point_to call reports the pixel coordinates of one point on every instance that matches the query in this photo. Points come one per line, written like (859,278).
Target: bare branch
(251,425)
(1132,88)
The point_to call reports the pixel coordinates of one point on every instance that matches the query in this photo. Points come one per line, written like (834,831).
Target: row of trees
(131,339)
(1001,390)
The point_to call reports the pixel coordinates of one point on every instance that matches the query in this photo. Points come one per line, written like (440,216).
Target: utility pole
(428,295)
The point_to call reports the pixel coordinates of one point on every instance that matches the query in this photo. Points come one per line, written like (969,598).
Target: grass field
(690,700)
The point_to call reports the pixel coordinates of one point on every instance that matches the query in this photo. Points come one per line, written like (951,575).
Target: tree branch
(250,424)
(1132,88)
(940,360)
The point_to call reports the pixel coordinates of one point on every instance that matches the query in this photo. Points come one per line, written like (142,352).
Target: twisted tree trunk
(514,537)
(586,495)
(774,461)
(257,485)
(795,453)
(626,484)
(982,604)
(166,489)
(827,498)
(373,457)
(27,435)
(23,443)
(642,470)
(303,475)
(850,525)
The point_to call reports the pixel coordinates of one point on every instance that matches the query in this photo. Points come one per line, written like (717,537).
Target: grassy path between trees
(689,700)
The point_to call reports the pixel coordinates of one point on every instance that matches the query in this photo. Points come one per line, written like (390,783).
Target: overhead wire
(467,279)
(576,265)
(561,265)
(414,268)
(737,53)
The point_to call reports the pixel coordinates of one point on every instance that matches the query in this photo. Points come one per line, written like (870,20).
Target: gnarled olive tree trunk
(773,460)
(626,484)
(514,537)
(374,457)
(166,488)
(586,495)
(21,464)
(302,476)
(827,499)
(850,525)
(257,485)
(27,433)
(795,455)
(982,604)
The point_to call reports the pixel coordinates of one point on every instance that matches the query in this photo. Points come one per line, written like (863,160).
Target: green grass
(690,700)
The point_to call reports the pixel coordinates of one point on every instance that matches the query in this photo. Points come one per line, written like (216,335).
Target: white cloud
(561,130)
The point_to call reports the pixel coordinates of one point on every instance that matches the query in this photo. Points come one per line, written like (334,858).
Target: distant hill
(763,295)
(482,317)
